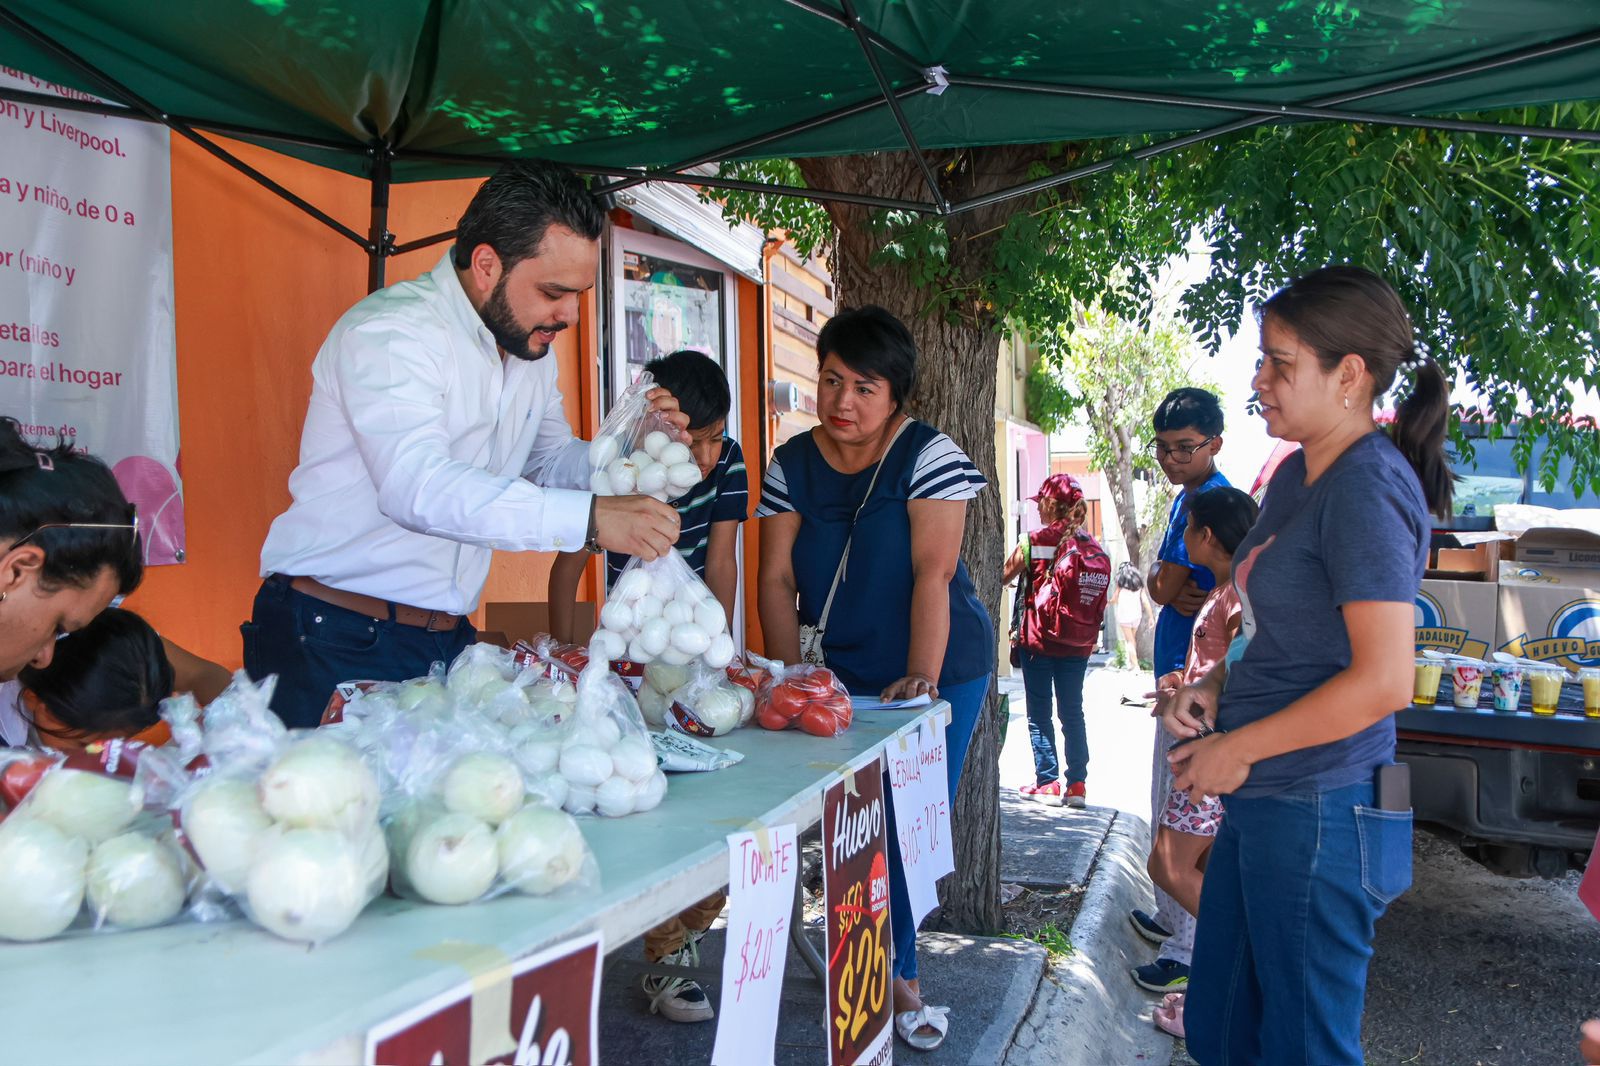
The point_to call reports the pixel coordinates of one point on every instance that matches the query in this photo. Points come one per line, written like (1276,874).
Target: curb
(1088,1010)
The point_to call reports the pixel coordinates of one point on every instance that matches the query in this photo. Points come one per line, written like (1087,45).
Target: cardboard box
(1550,598)
(522,621)
(1456,616)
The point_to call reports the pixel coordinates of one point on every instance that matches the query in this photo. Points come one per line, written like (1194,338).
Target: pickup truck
(1519,792)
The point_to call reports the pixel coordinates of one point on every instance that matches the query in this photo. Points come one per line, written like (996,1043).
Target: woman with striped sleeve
(861,540)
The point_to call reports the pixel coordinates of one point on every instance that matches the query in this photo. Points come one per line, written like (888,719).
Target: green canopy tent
(636,90)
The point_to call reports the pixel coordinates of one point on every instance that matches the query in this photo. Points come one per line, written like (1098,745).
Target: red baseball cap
(1063,487)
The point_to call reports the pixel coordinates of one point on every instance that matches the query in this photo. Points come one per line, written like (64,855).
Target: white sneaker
(679,999)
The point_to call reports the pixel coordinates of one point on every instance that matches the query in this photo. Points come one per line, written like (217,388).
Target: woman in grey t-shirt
(1327,580)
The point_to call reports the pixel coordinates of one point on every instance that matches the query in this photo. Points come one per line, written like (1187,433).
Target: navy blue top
(869,629)
(1173,628)
(722,496)
(1359,533)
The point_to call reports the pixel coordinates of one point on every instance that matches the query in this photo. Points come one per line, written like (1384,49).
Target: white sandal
(908,1022)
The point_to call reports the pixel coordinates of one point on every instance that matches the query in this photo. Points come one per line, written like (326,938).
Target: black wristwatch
(591,540)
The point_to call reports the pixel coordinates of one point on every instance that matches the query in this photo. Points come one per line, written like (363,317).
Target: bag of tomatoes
(802,696)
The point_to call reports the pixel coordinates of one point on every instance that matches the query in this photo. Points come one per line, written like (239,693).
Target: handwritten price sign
(761,873)
(855,880)
(920,785)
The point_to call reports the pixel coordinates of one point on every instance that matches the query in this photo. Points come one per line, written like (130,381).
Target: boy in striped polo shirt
(710,514)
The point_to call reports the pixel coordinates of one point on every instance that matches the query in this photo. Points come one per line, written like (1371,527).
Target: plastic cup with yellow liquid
(1590,677)
(1544,687)
(1425,690)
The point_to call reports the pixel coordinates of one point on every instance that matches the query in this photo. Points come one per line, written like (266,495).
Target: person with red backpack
(1063,578)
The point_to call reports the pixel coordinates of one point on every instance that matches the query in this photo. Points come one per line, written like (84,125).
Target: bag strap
(838,575)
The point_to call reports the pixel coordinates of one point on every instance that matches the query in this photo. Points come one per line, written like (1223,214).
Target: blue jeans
(966,703)
(1065,674)
(1293,887)
(312,646)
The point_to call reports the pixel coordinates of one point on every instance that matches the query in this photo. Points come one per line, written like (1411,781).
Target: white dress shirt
(416,446)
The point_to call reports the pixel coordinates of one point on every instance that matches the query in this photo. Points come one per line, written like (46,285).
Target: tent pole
(1522,55)
(940,204)
(380,242)
(176,125)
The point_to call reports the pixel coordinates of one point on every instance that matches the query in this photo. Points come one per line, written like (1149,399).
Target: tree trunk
(1122,494)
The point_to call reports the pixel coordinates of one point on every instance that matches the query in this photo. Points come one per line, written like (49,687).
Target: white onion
(674,657)
(319,783)
(551,787)
(452,859)
(41,878)
(224,822)
(676,453)
(600,484)
(83,804)
(662,584)
(545,710)
(134,882)
(632,586)
(651,792)
(634,758)
(567,694)
(720,652)
(651,479)
(541,849)
(468,678)
(580,799)
(415,693)
(585,765)
(683,476)
(603,451)
(676,612)
(538,756)
(653,705)
(654,636)
(747,704)
(607,646)
(372,854)
(306,884)
(690,638)
(654,441)
(665,677)
(615,797)
(484,785)
(718,709)
(709,615)
(616,616)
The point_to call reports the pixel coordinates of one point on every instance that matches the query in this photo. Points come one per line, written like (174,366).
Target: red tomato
(743,680)
(788,702)
(771,719)
(820,721)
(19,777)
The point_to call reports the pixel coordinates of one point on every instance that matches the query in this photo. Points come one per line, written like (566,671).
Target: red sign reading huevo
(855,880)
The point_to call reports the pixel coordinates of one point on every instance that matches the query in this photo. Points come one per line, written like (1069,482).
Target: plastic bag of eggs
(661,612)
(659,467)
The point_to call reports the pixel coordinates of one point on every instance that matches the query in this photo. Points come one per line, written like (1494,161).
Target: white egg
(607,646)
(580,800)
(632,587)
(538,756)
(663,583)
(690,595)
(709,616)
(677,613)
(675,453)
(654,636)
(603,451)
(651,479)
(651,792)
(640,458)
(634,758)
(616,616)
(551,787)
(600,484)
(647,608)
(615,797)
(637,652)
(606,732)
(654,441)
(623,475)
(691,639)
(584,765)
(674,657)
(683,476)
(720,653)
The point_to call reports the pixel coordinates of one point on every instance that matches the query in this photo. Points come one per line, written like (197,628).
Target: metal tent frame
(380,244)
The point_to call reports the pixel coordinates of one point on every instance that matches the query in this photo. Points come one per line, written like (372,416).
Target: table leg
(799,941)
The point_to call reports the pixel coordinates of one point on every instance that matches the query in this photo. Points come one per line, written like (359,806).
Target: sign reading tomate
(537,1011)
(855,881)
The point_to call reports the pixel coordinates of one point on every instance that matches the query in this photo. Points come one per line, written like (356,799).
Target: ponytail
(1419,428)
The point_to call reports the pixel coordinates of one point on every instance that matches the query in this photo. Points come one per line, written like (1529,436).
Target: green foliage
(1056,942)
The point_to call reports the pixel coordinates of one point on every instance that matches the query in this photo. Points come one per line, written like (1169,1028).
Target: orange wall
(257,286)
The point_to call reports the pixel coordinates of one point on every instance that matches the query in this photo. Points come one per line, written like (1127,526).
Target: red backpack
(1067,603)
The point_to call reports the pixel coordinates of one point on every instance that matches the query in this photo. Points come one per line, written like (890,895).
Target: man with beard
(436,435)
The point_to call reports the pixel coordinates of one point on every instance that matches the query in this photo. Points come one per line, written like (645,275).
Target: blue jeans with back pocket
(1293,887)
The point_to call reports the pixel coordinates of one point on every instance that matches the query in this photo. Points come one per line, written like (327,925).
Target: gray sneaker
(679,999)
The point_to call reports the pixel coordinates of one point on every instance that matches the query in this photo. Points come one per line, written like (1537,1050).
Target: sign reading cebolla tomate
(855,881)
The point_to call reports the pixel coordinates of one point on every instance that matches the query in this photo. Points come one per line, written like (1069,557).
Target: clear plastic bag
(606,758)
(637,451)
(802,696)
(695,700)
(660,611)
(79,852)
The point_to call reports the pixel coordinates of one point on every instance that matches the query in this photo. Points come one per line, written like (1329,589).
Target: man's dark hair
(871,341)
(108,678)
(1189,409)
(45,490)
(697,381)
(512,210)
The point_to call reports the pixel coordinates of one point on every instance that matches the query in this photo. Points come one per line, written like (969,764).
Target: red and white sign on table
(542,1010)
(762,867)
(855,886)
(920,784)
